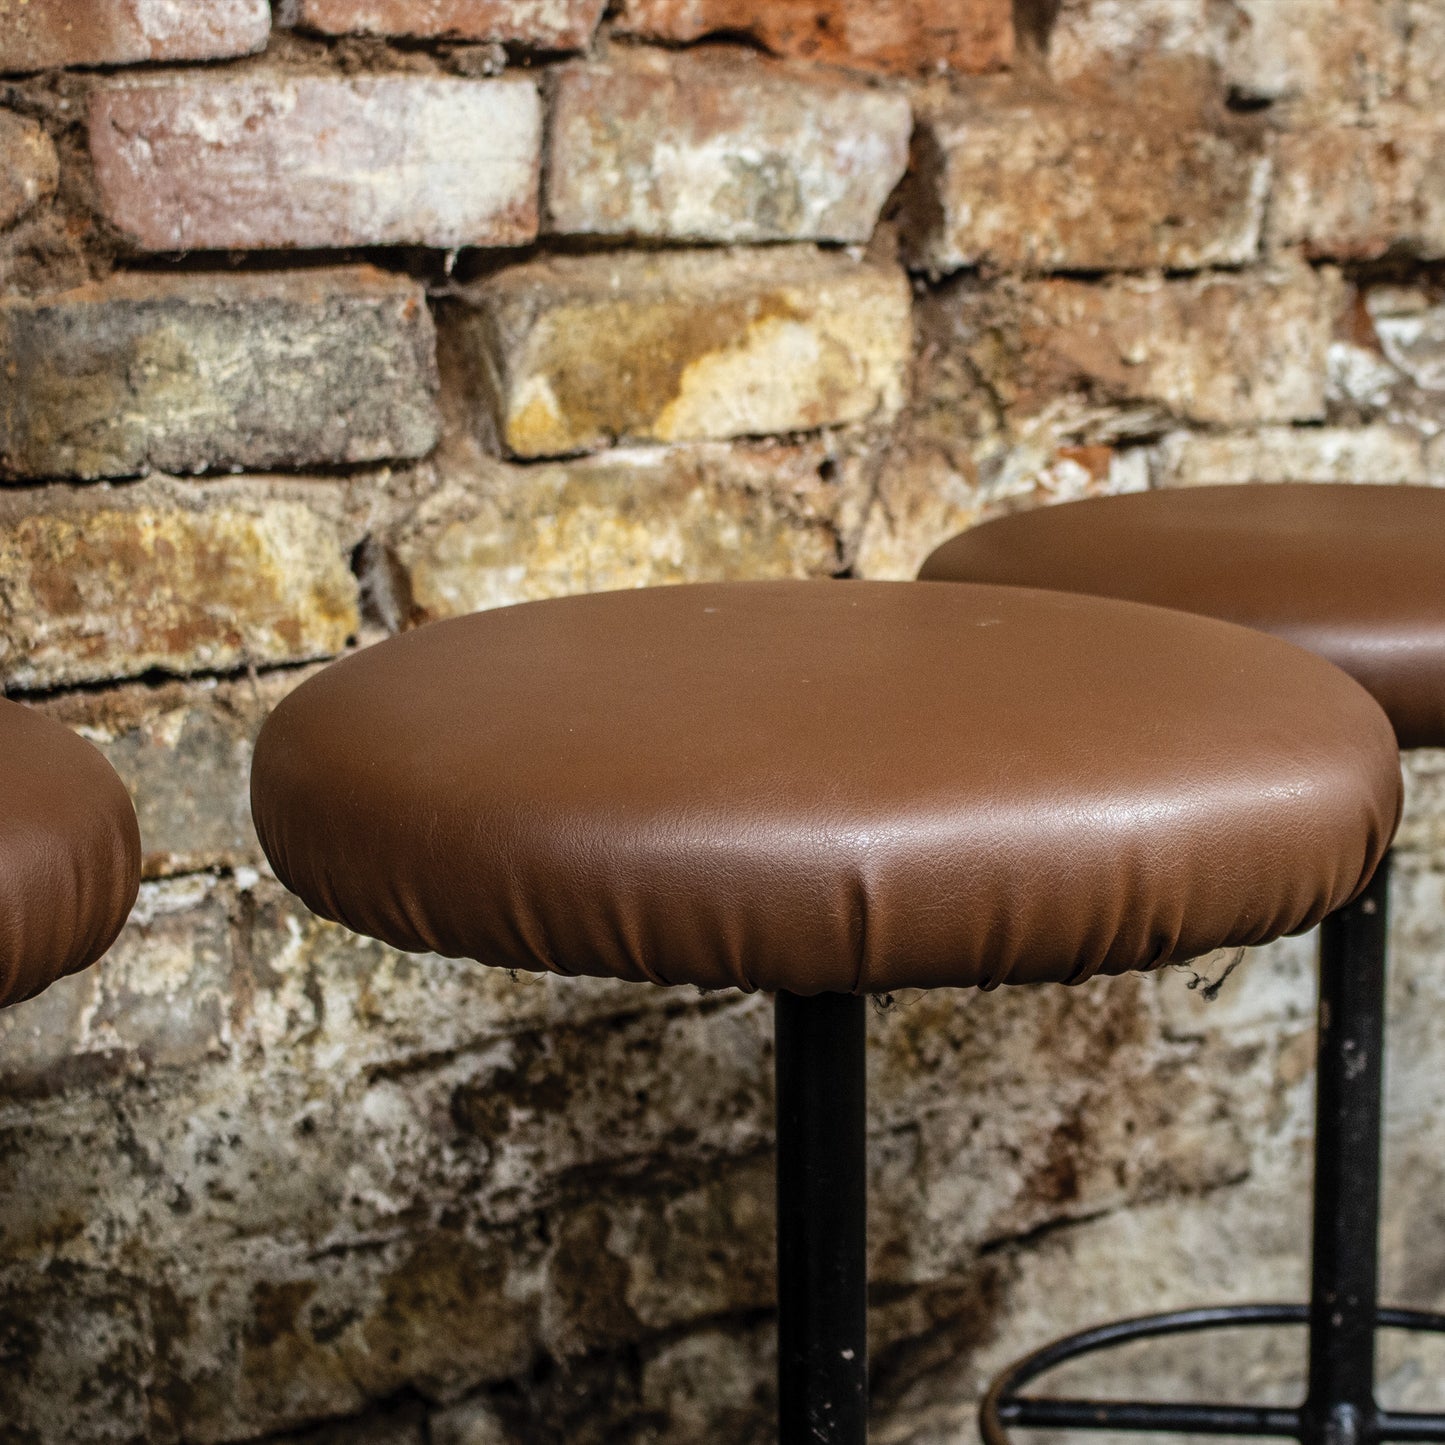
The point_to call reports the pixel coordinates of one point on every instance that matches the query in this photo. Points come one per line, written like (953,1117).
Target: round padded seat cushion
(827,786)
(69,853)
(1355,573)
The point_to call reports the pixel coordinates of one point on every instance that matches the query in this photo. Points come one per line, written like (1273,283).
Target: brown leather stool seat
(810,787)
(1354,573)
(69,853)
(827,789)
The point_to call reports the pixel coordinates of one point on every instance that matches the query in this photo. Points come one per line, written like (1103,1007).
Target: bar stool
(69,853)
(1357,575)
(826,790)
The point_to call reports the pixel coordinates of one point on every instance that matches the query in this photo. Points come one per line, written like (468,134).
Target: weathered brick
(1224,349)
(405,1425)
(581,352)
(1348,57)
(720,147)
(1422,830)
(1182,39)
(197,161)
(1425,53)
(888,35)
(921,499)
(538,24)
(1022,183)
(1387,359)
(1379,454)
(162,1000)
(183,750)
(474,1422)
(494,534)
(1435,461)
(29,167)
(111,582)
(40,34)
(1408,325)
(99,1318)
(182,373)
(1360,193)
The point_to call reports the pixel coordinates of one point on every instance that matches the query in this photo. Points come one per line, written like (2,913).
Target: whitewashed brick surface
(693,147)
(195,161)
(37,34)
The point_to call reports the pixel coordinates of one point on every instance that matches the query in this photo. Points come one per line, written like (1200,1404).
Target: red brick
(895,35)
(197,161)
(40,34)
(537,24)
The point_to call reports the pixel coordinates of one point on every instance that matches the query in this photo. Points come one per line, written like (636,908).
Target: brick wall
(324,319)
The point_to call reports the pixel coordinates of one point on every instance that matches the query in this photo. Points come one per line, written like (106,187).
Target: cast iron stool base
(1343,1314)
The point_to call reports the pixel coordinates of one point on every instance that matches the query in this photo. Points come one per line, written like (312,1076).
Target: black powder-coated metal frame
(822,1236)
(822,1220)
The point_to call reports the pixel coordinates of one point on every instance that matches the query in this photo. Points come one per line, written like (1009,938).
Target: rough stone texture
(1380,454)
(1025,394)
(105,582)
(1023,183)
(1422,831)
(1359,193)
(720,147)
(577,353)
(29,167)
(183,749)
(1227,350)
(403,1426)
(1387,363)
(442,1214)
(196,161)
(538,24)
(38,34)
(1147,39)
(1424,54)
(156,371)
(922,497)
(492,534)
(1349,57)
(1409,325)
(888,35)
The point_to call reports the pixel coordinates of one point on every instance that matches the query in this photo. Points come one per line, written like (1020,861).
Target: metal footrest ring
(1004,1407)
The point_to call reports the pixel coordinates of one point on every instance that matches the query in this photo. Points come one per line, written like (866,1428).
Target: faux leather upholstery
(1355,573)
(69,853)
(827,786)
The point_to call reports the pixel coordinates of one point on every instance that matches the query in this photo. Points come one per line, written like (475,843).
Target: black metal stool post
(822,1180)
(1339,1406)
(1343,1315)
